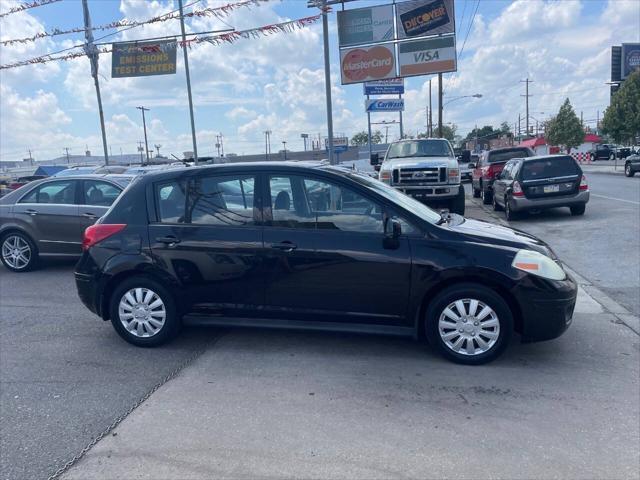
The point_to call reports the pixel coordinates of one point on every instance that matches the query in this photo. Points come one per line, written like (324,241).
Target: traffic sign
(340,144)
(385,105)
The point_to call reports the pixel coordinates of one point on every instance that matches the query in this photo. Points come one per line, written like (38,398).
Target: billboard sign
(630,59)
(419,18)
(143,59)
(428,56)
(365,25)
(340,144)
(393,86)
(384,105)
(362,64)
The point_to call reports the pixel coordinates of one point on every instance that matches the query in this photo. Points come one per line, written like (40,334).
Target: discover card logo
(424,18)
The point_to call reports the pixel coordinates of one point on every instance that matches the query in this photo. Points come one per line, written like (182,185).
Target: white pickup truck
(425,169)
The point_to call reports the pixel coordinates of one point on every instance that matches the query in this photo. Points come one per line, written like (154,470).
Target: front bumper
(523,203)
(435,192)
(546,306)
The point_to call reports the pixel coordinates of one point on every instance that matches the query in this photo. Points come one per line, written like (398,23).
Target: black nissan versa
(297,245)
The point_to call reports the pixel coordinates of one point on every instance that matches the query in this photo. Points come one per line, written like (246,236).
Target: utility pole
(439,105)
(141,150)
(327,79)
(92,52)
(267,143)
(218,144)
(284,147)
(67,150)
(581,120)
(386,134)
(430,113)
(475,146)
(157,149)
(144,126)
(526,95)
(519,127)
(186,67)
(597,121)
(30,158)
(221,144)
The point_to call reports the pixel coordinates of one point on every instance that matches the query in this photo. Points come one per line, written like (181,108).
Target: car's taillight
(99,232)
(583,183)
(517,189)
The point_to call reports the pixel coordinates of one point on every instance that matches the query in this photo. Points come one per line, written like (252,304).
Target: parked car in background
(464,159)
(48,217)
(117,169)
(541,182)
(623,152)
(489,167)
(21,181)
(425,169)
(73,171)
(632,165)
(603,151)
(289,245)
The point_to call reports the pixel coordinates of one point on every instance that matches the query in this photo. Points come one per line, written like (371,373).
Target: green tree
(621,120)
(362,138)
(448,132)
(565,130)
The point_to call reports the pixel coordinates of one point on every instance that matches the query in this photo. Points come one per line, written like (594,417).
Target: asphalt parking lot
(254,403)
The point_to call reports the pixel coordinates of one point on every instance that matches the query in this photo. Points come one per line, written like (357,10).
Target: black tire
(469,291)
(593,157)
(496,206)
(612,156)
(172,322)
(628,171)
(509,214)
(476,191)
(487,196)
(458,203)
(34,260)
(578,209)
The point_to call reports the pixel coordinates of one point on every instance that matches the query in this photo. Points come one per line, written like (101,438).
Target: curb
(608,304)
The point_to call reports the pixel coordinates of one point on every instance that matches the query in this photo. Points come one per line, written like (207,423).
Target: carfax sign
(142,59)
(365,25)
(418,18)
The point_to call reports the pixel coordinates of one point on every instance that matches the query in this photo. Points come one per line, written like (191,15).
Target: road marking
(618,199)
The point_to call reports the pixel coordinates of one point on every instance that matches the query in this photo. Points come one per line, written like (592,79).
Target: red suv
(489,167)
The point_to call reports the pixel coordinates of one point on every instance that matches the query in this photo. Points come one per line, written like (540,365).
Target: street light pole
(440,105)
(327,79)
(144,126)
(186,67)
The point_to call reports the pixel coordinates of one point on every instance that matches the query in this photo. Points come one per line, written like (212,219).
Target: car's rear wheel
(628,171)
(143,312)
(593,157)
(18,252)
(578,209)
(509,214)
(612,156)
(469,324)
(476,191)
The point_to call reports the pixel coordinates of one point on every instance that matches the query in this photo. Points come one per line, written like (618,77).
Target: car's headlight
(538,264)
(454,175)
(385,176)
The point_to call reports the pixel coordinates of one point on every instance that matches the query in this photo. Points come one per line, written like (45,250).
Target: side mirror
(375,159)
(377,168)
(472,165)
(392,230)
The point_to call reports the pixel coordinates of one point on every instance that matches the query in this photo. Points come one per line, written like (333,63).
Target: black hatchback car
(296,245)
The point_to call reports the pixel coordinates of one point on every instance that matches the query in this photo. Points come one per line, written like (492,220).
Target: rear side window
(549,168)
(59,193)
(505,155)
(101,194)
(171,201)
(222,200)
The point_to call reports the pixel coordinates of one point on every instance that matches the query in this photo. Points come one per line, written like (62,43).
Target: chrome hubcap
(16,252)
(469,327)
(142,312)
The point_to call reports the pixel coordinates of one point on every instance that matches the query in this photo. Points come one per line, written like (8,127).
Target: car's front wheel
(457,204)
(143,312)
(469,324)
(18,252)
(628,171)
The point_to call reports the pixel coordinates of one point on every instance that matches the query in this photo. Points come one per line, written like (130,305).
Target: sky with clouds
(276,82)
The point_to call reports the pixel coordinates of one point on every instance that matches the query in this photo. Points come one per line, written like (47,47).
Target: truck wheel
(457,204)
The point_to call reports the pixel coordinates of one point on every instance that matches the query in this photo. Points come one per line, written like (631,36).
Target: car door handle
(169,240)
(31,211)
(90,215)
(285,246)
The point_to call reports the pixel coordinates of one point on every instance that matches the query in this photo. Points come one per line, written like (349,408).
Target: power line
(464,43)
(27,6)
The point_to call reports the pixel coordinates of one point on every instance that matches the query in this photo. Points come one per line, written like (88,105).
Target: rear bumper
(547,309)
(88,291)
(524,203)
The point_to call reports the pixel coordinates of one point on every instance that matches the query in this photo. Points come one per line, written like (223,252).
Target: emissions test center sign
(142,59)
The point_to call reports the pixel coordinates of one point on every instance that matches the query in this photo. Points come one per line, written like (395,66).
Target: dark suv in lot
(538,183)
(603,152)
(296,245)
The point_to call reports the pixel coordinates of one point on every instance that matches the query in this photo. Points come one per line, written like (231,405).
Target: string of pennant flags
(230,37)
(218,12)
(27,6)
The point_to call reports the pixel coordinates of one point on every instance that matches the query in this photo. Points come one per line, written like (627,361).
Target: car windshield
(420,148)
(505,155)
(549,168)
(397,197)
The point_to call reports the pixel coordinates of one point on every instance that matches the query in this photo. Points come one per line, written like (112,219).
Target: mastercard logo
(360,64)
